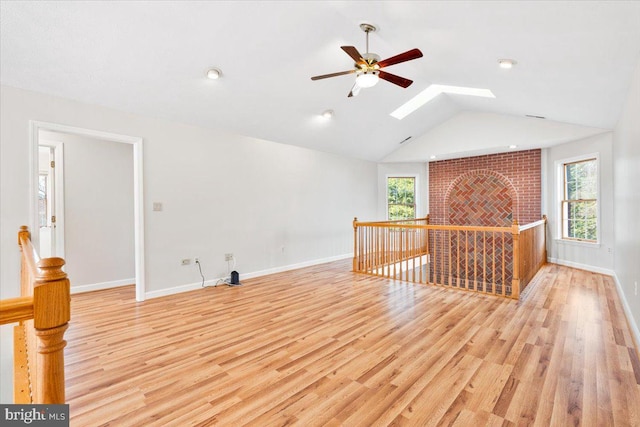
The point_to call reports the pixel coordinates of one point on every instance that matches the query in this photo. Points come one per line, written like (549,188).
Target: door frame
(138,186)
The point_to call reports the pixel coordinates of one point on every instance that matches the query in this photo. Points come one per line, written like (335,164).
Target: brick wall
(486,190)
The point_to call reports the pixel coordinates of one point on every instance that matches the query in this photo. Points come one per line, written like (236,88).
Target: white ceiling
(575,61)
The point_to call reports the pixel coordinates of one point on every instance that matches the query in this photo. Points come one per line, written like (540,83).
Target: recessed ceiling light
(513,146)
(431,92)
(506,63)
(214,74)
(327,114)
(433,156)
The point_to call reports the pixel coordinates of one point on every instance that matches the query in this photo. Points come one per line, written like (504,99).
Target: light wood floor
(323,346)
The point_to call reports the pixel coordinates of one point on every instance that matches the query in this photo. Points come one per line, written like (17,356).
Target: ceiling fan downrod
(367,28)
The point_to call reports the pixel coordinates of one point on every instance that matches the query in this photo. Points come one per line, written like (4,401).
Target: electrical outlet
(185,261)
(228,257)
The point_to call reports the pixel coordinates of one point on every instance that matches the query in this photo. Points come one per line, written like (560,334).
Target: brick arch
(481,197)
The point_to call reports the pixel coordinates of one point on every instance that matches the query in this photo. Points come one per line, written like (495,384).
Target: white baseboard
(295,266)
(213,282)
(579,266)
(103,285)
(627,311)
(178,289)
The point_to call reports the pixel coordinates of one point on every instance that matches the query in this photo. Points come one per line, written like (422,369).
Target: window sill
(578,243)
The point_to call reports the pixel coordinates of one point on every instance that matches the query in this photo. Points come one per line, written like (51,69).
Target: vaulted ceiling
(574,65)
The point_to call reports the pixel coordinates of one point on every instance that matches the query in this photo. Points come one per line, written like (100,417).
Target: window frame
(561,199)
(415,178)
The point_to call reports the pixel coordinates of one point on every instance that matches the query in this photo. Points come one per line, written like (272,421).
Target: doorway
(51,199)
(36,128)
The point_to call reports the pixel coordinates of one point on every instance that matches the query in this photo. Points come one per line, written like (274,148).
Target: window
(401,200)
(42,200)
(579,205)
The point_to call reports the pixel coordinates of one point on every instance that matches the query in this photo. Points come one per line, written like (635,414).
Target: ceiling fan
(368,67)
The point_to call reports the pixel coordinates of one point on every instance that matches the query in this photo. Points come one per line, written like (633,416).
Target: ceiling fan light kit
(368,67)
(367,78)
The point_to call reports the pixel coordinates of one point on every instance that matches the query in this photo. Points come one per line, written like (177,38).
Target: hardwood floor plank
(322,346)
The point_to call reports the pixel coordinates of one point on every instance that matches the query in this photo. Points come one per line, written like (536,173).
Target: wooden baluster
(369,249)
(504,270)
(374,251)
(387,252)
(392,252)
(403,254)
(449,260)
(383,249)
(473,259)
(443,255)
(484,262)
(458,284)
(421,250)
(493,263)
(411,260)
(466,260)
(417,243)
(384,252)
(362,248)
(378,249)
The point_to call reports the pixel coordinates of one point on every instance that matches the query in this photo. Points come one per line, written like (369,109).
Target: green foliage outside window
(579,207)
(401,198)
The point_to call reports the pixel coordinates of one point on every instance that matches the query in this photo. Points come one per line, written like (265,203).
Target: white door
(50,201)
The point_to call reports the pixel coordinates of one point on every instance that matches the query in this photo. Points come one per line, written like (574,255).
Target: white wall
(420,170)
(626,194)
(99,232)
(272,205)
(588,256)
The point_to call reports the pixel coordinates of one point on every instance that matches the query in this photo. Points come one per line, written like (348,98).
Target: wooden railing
(532,250)
(493,260)
(42,313)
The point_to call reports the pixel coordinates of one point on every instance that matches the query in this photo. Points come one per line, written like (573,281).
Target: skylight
(431,92)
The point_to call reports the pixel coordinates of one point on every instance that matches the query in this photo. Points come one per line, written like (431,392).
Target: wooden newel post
(52,311)
(355,243)
(425,242)
(515,283)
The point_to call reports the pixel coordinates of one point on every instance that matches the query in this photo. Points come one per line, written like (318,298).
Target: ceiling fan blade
(400,81)
(326,76)
(355,90)
(403,57)
(353,53)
